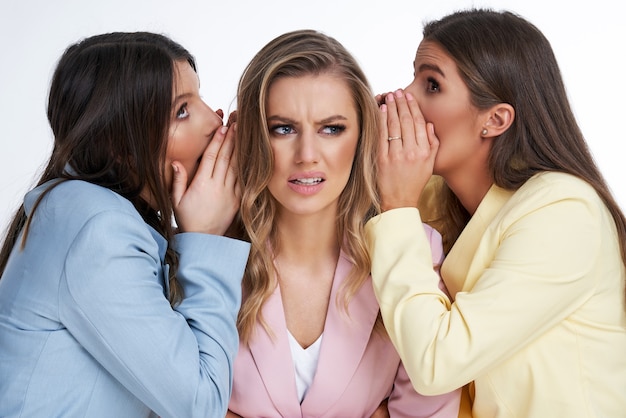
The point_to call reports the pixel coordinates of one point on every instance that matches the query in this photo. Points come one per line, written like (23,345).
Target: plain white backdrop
(588,39)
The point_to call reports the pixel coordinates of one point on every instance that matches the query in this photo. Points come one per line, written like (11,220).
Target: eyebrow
(430,67)
(293,122)
(181,97)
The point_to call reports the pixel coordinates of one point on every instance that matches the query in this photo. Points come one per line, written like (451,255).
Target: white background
(588,39)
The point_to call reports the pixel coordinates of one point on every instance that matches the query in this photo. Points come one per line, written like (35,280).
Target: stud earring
(484,132)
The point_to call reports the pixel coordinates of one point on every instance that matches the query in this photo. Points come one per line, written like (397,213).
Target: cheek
(184,145)
(279,166)
(447,118)
(186,150)
(345,156)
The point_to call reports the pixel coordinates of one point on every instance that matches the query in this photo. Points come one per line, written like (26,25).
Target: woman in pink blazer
(312,340)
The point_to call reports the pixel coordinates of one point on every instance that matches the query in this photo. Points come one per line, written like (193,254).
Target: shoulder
(82,200)
(88,195)
(552,201)
(76,208)
(551,186)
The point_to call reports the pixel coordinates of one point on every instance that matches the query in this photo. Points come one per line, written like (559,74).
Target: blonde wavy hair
(297,54)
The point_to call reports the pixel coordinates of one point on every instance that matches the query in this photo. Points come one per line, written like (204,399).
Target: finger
(220,113)
(418,121)
(224,156)
(380,98)
(433,140)
(394,130)
(179,183)
(232,118)
(210,155)
(231,174)
(383,133)
(407,128)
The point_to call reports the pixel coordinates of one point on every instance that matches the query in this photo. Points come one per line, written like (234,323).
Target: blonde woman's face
(314,130)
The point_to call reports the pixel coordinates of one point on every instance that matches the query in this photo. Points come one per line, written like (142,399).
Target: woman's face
(444,100)
(193,123)
(314,130)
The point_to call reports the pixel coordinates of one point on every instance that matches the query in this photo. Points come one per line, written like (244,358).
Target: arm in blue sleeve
(177,361)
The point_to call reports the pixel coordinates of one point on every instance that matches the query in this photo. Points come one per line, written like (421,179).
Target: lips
(307,184)
(309,181)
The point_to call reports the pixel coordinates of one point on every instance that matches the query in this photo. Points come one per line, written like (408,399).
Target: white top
(304,363)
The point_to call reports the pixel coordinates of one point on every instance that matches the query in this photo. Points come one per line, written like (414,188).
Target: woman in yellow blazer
(536,245)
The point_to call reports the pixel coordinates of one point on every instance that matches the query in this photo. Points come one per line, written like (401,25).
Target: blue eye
(333,129)
(281,129)
(182,112)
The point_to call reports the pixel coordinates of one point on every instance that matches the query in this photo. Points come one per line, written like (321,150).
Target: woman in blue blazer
(107,308)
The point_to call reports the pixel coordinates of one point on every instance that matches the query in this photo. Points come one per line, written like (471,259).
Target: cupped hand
(406,154)
(232,118)
(211,200)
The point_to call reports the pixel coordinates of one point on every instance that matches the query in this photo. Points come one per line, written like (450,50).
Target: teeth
(313,180)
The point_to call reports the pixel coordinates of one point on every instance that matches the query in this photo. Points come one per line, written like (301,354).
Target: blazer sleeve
(436,248)
(405,402)
(178,362)
(543,259)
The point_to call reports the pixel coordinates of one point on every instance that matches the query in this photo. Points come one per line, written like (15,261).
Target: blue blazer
(85,325)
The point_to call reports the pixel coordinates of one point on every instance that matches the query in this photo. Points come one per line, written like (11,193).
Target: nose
(412,88)
(212,119)
(307,148)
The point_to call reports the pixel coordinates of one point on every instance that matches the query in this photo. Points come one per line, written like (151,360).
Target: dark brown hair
(503,58)
(109,108)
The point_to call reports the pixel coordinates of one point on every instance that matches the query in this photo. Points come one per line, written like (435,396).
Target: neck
(307,240)
(470,185)
(471,196)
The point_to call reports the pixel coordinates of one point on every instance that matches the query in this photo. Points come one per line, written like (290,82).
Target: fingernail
(409,96)
(398,93)
(175,168)
(224,129)
(390,97)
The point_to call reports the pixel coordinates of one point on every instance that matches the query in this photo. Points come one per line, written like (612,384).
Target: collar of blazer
(346,335)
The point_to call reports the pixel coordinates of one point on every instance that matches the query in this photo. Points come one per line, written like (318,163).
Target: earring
(484,132)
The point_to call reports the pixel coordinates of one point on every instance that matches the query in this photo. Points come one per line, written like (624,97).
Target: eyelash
(432,85)
(336,129)
(182,112)
(281,130)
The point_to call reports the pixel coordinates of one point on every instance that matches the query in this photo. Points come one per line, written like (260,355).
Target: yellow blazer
(538,322)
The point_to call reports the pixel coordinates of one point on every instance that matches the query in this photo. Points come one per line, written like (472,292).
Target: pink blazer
(357,368)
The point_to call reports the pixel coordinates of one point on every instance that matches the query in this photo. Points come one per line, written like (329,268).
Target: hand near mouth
(211,200)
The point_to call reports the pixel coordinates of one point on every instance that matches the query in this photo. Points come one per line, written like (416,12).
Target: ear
(498,119)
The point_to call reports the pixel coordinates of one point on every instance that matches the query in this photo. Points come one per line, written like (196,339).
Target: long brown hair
(296,54)
(109,108)
(505,59)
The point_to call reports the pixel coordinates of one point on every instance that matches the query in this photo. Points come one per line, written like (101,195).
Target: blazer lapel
(346,336)
(457,264)
(272,357)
